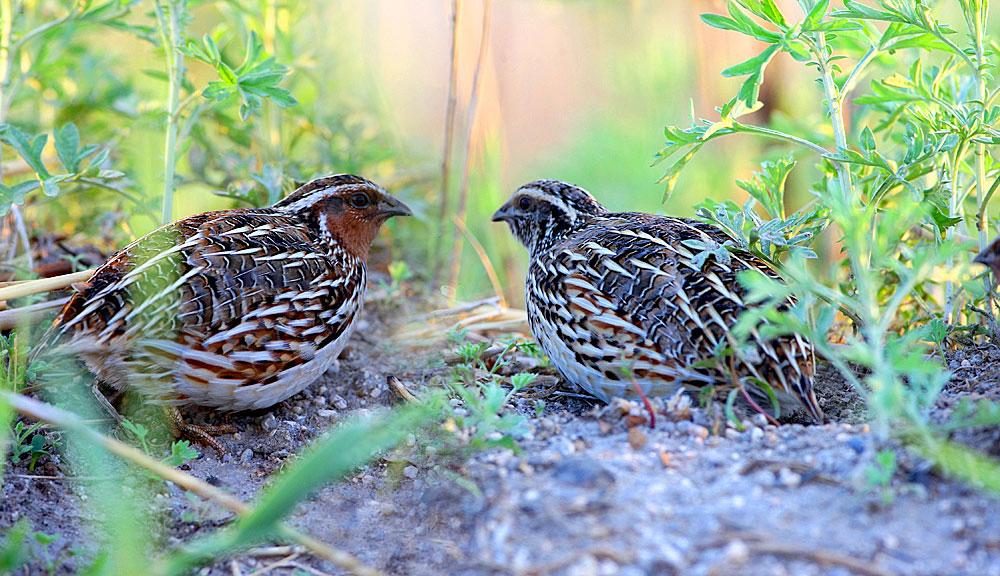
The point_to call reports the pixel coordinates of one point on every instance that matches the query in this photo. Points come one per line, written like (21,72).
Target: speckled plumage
(617,297)
(236,309)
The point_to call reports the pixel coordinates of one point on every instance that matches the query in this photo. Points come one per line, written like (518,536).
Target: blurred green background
(578,91)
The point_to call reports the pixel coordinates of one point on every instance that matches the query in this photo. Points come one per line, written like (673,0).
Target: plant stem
(6,63)
(167,15)
(470,123)
(836,111)
(272,118)
(771,133)
(982,198)
(449,138)
(855,74)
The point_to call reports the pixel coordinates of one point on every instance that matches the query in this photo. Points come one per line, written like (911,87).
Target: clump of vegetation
(903,177)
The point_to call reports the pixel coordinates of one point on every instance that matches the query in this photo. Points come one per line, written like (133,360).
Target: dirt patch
(591,490)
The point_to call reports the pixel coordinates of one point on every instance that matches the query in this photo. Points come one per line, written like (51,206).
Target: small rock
(269,422)
(699,431)
(789,479)
(410,472)
(756,435)
(856,444)
(326,413)
(246,456)
(584,473)
(737,552)
(636,438)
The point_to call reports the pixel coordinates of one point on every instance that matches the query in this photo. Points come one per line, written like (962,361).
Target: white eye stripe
(542,196)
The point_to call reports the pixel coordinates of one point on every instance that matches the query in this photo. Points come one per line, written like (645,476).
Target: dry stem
(449,138)
(470,121)
(29,287)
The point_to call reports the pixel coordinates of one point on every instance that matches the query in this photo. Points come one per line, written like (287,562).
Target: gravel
(591,490)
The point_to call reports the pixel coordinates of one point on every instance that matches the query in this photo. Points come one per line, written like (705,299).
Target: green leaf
(754,67)
(867,140)
(721,22)
(28,147)
(751,28)
(768,185)
(67,147)
(816,15)
(14,195)
(770,12)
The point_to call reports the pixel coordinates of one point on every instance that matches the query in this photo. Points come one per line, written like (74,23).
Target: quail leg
(103,401)
(204,435)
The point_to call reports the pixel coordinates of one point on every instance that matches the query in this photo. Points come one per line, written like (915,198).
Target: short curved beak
(389,206)
(503,214)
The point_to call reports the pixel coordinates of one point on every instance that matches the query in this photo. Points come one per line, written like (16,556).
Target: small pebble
(410,472)
(789,479)
(737,552)
(246,456)
(636,438)
(325,413)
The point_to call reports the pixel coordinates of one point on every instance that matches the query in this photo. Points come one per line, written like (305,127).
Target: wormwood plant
(905,175)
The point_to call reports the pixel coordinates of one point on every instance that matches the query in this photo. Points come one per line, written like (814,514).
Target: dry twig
(29,287)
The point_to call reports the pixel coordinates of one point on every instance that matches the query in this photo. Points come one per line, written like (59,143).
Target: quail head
(618,298)
(990,257)
(235,309)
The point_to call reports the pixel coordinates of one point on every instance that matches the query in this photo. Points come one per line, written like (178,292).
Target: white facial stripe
(544,197)
(324,194)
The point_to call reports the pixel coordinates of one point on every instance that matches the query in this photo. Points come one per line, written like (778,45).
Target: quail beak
(389,206)
(503,214)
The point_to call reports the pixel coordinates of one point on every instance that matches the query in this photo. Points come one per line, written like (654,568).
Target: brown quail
(235,309)
(619,298)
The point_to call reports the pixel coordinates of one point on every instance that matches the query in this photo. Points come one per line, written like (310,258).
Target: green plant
(879,474)
(28,441)
(895,183)
(485,423)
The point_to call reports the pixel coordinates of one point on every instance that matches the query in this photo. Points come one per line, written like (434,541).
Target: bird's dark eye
(359,200)
(523,203)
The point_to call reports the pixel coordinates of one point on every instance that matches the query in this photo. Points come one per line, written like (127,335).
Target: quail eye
(359,200)
(524,203)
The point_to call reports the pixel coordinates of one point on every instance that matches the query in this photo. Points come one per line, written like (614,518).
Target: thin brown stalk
(40,411)
(449,138)
(29,287)
(491,272)
(470,122)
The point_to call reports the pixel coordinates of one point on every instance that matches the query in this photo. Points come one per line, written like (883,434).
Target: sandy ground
(591,490)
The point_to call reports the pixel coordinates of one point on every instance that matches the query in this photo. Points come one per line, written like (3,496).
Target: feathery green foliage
(903,178)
